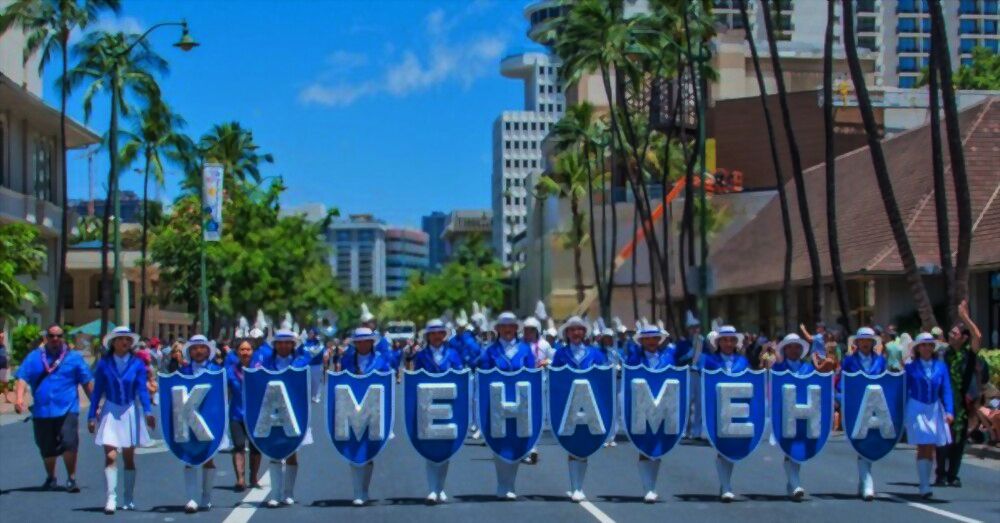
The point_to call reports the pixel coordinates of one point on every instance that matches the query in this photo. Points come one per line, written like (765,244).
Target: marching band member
(605,341)
(368,321)
(863,357)
(793,356)
(464,342)
(655,354)
(279,358)
(360,359)
(237,418)
(531,333)
(312,348)
(120,380)
(726,357)
(577,354)
(689,349)
(437,357)
(508,354)
(929,405)
(200,355)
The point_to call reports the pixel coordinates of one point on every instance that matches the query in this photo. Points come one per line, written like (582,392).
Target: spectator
(54,374)
(4,366)
(960,357)
(892,348)
(817,342)
(988,415)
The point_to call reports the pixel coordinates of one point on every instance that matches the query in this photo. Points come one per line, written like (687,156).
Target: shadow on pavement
(915,498)
(32,489)
(332,503)
(166,509)
(621,499)
(840,496)
(704,498)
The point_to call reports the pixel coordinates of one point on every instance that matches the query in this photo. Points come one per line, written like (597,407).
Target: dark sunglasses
(53,336)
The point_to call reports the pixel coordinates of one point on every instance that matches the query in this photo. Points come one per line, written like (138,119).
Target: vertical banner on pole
(211,200)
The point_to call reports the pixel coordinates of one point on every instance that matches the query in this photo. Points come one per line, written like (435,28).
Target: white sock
(442,473)
(432,475)
(111,482)
(648,470)
(724,468)
(924,471)
(191,483)
(865,482)
(207,480)
(277,479)
(358,480)
(506,475)
(792,474)
(129,486)
(369,469)
(291,471)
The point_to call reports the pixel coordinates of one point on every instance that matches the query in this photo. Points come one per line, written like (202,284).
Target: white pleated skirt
(925,424)
(122,426)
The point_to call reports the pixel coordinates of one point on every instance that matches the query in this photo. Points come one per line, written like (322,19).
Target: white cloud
(442,58)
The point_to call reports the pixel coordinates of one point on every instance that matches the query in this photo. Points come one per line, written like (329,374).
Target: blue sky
(367,105)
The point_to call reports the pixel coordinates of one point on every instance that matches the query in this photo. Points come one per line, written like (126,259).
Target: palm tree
(963,203)
(839,285)
(48,25)
(570,180)
(800,185)
(940,196)
(155,138)
(786,222)
(103,58)
(909,261)
(232,146)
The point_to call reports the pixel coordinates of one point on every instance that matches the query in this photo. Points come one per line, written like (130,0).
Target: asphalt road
(687,487)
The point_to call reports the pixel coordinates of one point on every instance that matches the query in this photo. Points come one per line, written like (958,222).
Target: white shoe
(289,501)
(798,493)
(651,497)
(315,400)
(510,496)
(477,435)
(442,497)
(273,503)
(358,502)
(109,507)
(432,498)
(128,506)
(191,507)
(578,496)
(726,497)
(612,443)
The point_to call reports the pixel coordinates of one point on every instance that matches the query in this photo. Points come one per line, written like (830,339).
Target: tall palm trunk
(145,238)
(635,257)
(913,278)
(963,202)
(786,220)
(598,273)
(574,206)
(61,278)
(940,195)
(839,285)
(105,241)
(800,185)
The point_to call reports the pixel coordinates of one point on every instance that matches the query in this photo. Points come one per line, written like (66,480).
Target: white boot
(506,477)
(357,481)
(866,485)
(277,482)
(648,470)
(129,501)
(111,484)
(442,473)
(724,468)
(291,472)
(924,467)
(577,472)
(207,482)
(432,481)
(191,489)
(795,491)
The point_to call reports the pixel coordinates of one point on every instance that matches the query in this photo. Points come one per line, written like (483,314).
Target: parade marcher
(464,341)
(280,357)
(54,374)
(929,406)
(863,357)
(793,356)
(237,419)
(312,348)
(436,357)
(200,353)
(361,359)
(120,381)
(655,354)
(689,349)
(964,341)
(726,357)
(531,333)
(508,354)
(577,354)
(368,321)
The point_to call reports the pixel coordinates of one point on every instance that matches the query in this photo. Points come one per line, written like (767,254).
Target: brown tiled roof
(752,259)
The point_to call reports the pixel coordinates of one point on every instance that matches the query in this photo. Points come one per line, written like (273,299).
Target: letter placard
(437,412)
(734,411)
(194,414)
(582,408)
(360,413)
(277,409)
(655,403)
(801,412)
(873,412)
(510,410)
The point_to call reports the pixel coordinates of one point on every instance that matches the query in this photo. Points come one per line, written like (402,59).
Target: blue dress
(495,357)
(467,347)
(929,398)
(119,388)
(425,360)
(306,350)
(591,356)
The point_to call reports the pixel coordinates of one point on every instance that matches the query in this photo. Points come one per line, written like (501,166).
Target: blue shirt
(354,363)
(425,360)
(311,349)
(667,356)
(856,362)
(495,357)
(717,360)
(234,378)
(801,368)
(930,389)
(57,394)
(120,388)
(591,356)
(818,345)
(270,361)
(467,347)
(189,370)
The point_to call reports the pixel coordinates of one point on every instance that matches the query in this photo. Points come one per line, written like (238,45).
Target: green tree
(570,180)
(21,254)
(983,74)
(47,25)
(232,146)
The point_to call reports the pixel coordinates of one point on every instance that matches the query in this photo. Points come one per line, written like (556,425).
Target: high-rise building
(433,224)
(406,253)
(358,253)
(517,144)
(465,225)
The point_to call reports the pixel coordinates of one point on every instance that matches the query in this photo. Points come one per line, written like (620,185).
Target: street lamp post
(186,43)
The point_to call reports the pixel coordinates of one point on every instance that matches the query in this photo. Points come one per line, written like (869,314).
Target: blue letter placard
(359,413)
(277,409)
(734,411)
(510,411)
(801,412)
(437,412)
(582,408)
(194,414)
(873,412)
(655,403)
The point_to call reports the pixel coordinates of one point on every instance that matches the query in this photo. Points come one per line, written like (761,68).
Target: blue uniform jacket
(805,367)
(306,350)
(467,347)
(852,363)
(930,390)
(714,360)
(188,368)
(121,389)
(495,358)
(268,360)
(234,378)
(592,356)
(425,360)
(57,394)
(668,356)
(380,362)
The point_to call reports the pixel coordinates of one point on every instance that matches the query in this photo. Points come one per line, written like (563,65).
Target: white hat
(728,331)
(607,331)
(362,334)
(462,321)
(691,321)
(794,338)
(436,325)
(651,331)
(922,338)
(256,333)
(533,323)
(505,318)
(866,333)
(120,332)
(200,339)
(366,315)
(285,335)
(550,328)
(574,321)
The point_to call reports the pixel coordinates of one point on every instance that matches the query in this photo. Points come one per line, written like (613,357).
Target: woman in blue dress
(120,380)
(577,354)
(436,357)
(281,356)
(360,359)
(727,358)
(654,353)
(863,357)
(199,353)
(929,405)
(237,418)
(793,356)
(509,354)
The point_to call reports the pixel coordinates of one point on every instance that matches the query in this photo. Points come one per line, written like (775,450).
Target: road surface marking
(935,510)
(246,508)
(596,512)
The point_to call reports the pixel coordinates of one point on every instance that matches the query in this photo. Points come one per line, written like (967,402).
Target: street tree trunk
(940,186)
(61,276)
(577,248)
(145,237)
(920,298)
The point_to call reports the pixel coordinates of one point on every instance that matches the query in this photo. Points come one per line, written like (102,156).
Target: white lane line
(246,508)
(596,512)
(935,510)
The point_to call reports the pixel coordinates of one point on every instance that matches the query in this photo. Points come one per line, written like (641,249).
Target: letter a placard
(277,409)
